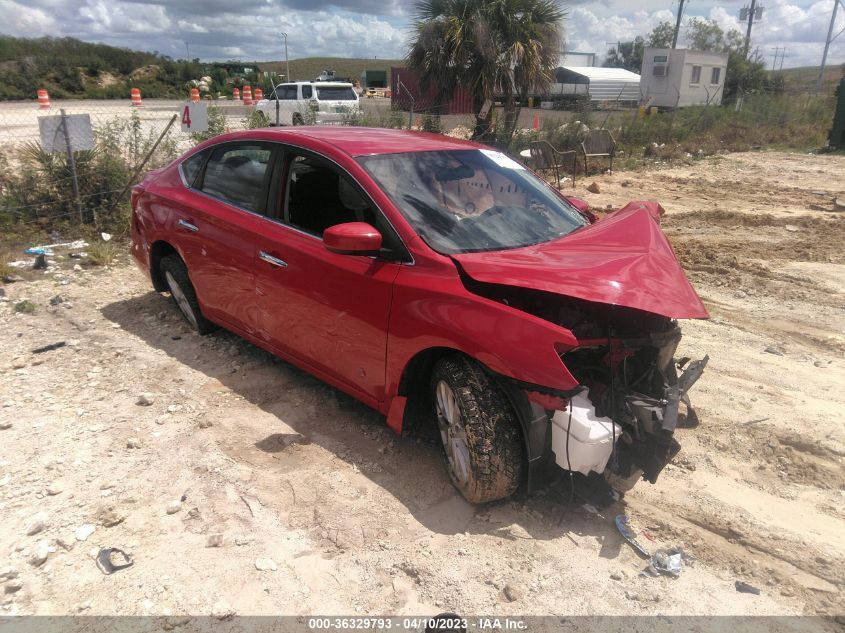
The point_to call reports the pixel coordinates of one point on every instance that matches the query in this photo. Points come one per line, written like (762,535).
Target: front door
(329,310)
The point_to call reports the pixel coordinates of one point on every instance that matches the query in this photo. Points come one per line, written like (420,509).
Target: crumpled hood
(624,259)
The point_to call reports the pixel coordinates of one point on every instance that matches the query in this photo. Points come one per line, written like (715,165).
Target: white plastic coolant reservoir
(591,436)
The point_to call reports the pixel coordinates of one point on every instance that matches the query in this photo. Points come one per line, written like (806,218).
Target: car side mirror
(352,238)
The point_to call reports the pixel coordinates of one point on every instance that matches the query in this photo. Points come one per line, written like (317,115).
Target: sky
(251,29)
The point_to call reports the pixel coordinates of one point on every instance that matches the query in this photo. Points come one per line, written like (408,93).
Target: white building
(601,84)
(674,78)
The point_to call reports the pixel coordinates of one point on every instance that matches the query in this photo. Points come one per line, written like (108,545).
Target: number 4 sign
(194,117)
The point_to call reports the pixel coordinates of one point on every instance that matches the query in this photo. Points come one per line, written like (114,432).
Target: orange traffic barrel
(136,97)
(536,125)
(236,94)
(43,100)
(195,95)
(259,94)
(247,95)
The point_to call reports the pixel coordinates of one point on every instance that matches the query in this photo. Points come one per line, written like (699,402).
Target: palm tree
(491,47)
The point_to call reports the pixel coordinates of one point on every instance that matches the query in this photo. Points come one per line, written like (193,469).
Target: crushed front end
(636,385)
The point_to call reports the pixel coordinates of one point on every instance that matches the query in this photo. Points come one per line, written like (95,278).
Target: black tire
(175,275)
(493,460)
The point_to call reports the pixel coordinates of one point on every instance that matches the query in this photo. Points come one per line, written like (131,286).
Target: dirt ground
(270,463)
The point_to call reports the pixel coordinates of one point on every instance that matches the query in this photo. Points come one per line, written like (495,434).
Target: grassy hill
(804,79)
(310,67)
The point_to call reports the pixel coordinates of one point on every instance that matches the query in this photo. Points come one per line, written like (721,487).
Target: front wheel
(479,430)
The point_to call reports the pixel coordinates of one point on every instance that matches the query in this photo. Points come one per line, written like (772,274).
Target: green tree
(661,36)
(497,47)
(628,55)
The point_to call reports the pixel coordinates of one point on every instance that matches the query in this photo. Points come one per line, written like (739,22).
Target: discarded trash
(49,348)
(622,524)
(106,236)
(107,564)
(744,587)
(40,262)
(56,300)
(39,250)
(668,561)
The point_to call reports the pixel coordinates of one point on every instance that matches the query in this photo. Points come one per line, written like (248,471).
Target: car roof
(361,141)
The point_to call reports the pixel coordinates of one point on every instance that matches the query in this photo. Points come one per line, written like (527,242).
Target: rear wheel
(175,275)
(479,431)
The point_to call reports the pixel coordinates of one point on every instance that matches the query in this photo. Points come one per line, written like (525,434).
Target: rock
(627,183)
(133,442)
(839,204)
(66,543)
(174,507)
(773,350)
(265,564)
(787,592)
(632,595)
(39,553)
(38,523)
(5,424)
(594,187)
(222,611)
(10,279)
(13,586)
(109,517)
(54,489)
(77,267)
(205,423)
(9,573)
(513,592)
(174,408)
(791,228)
(56,300)
(18,362)
(214,540)
(84,531)
(616,576)
(145,399)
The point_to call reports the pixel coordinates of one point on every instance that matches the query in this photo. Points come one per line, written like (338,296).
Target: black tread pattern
(176,267)
(492,429)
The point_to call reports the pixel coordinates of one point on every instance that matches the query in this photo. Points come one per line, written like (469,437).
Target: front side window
(336,93)
(472,200)
(286,92)
(238,174)
(696,75)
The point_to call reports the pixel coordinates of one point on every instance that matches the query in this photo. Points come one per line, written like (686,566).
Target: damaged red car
(441,283)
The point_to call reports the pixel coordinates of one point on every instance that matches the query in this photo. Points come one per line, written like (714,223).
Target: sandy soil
(272,464)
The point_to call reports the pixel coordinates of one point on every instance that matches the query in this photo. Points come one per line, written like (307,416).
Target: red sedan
(439,282)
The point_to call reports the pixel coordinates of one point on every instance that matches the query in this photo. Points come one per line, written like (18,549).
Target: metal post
(72,164)
(827,42)
(678,23)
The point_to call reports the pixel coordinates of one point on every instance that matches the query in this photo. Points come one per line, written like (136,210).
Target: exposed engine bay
(621,424)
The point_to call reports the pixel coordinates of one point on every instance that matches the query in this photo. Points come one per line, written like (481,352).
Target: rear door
(219,232)
(329,310)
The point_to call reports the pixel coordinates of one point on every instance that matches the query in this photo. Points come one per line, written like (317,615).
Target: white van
(310,102)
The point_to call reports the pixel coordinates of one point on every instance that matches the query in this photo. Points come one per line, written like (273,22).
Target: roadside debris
(744,587)
(667,562)
(10,279)
(40,262)
(839,204)
(624,527)
(49,348)
(593,187)
(107,564)
(773,350)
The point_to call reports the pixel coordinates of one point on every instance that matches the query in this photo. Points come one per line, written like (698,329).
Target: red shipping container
(460,103)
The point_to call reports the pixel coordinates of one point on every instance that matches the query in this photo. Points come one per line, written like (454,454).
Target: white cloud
(222,29)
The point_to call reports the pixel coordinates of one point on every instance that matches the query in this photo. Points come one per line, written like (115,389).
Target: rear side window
(192,166)
(306,92)
(286,93)
(239,174)
(337,93)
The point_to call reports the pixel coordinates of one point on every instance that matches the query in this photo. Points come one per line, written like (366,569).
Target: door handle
(187,225)
(275,261)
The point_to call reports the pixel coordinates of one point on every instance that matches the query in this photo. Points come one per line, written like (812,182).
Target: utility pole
(775,59)
(678,23)
(751,15)
(830,38)
(188,49)
(287,63)
(782,55)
